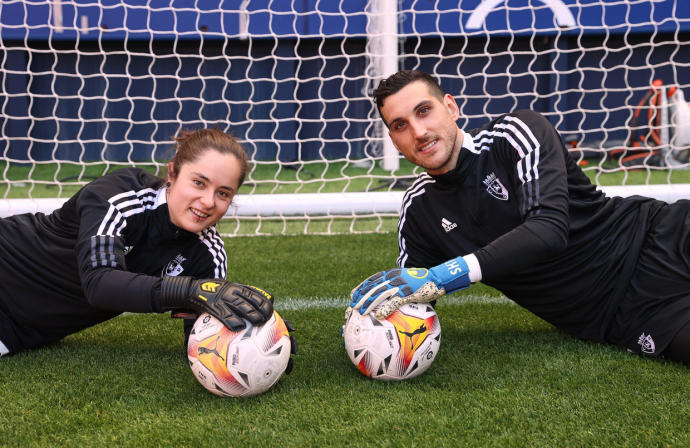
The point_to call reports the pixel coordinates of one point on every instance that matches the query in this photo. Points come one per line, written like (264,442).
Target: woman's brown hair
(189,145)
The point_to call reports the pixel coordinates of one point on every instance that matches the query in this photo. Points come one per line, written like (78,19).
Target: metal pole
(384,30)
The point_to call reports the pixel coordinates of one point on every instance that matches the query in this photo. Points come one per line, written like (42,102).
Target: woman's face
(200,194)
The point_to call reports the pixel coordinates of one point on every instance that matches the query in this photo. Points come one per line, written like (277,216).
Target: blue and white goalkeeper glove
(388,290)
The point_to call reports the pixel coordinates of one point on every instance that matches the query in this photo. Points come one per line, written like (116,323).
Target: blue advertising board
(161,19)
(68,104)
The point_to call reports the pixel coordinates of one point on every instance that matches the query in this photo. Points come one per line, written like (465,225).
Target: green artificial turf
(502,378)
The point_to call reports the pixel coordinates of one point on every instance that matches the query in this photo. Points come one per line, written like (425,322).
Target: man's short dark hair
(396,82)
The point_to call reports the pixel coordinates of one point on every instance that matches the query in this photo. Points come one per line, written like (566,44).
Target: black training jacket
(103,252)
(542,233)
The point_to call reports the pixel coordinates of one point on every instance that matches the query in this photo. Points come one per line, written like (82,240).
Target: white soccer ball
(238,364)
(399,347)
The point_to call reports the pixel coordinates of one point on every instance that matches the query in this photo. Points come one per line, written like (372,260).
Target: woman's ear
(171,172)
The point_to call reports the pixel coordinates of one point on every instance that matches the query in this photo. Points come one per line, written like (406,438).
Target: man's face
(423,127)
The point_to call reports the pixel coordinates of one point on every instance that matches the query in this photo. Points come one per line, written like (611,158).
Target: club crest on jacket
(174,267)
(495,187)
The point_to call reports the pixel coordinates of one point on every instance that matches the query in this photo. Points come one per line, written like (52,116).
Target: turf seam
(303,303)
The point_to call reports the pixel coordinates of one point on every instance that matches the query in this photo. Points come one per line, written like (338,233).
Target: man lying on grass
(508,206)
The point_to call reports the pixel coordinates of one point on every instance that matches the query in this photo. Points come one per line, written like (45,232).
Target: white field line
(304,303)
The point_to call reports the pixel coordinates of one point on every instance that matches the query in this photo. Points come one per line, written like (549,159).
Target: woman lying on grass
(128,241)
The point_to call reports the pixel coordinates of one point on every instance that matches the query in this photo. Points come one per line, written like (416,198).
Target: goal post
(382,38)
(90,86)
(330,204)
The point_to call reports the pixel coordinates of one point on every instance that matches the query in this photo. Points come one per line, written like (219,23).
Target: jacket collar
(461,174)
(169,229)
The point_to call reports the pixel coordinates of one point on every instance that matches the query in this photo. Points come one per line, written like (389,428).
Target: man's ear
(452,106)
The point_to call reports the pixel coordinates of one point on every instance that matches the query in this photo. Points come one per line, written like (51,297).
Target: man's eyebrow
(420,104)
(394,121)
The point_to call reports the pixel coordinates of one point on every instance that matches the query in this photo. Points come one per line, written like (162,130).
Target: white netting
(92,86)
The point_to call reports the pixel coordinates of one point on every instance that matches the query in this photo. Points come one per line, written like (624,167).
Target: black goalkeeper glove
(226,301)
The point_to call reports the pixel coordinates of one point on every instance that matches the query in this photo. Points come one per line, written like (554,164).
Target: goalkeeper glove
(395,287)
(226,301)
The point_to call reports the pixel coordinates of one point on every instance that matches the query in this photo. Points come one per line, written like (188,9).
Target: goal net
(92,86)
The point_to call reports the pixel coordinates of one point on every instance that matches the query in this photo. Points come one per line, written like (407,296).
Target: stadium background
(114,80)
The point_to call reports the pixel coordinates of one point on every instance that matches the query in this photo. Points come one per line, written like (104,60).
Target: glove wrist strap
(175,292)
(453,275)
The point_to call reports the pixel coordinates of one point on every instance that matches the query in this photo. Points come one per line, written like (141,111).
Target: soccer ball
(399,347)
(238,364)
